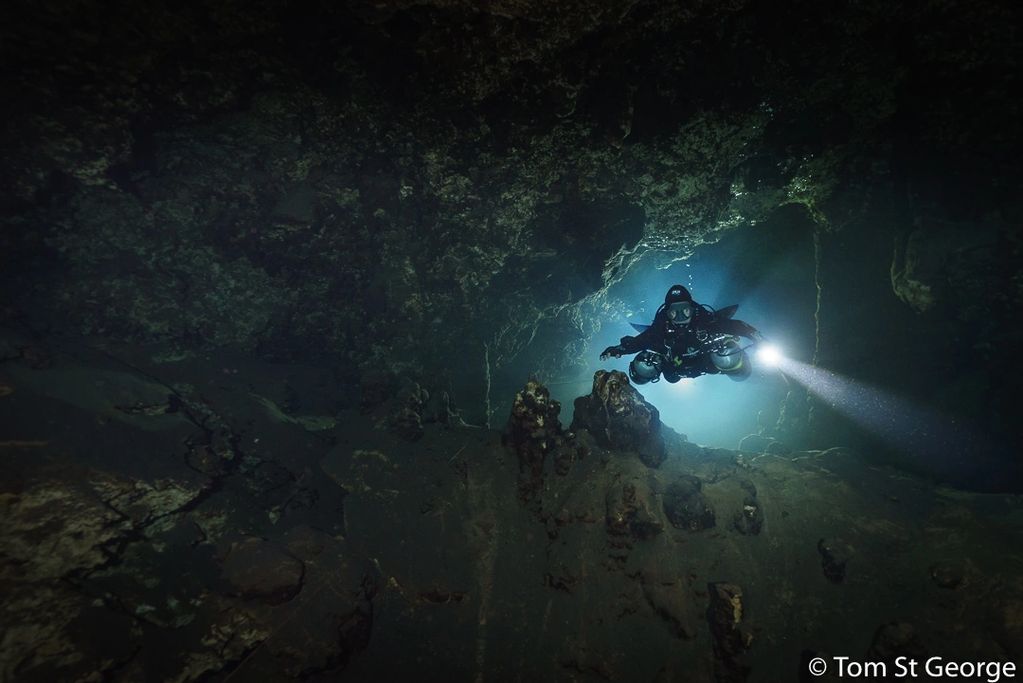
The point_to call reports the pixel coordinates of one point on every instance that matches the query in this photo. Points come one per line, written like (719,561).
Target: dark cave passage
(301,311)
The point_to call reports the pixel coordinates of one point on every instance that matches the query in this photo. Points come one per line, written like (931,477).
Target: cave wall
(438,189)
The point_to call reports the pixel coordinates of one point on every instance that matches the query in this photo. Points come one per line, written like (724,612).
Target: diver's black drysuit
(684,348)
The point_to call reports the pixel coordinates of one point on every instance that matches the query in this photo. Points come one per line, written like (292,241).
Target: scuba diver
(687,339)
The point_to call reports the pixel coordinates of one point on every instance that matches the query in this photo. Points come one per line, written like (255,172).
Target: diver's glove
(615,351)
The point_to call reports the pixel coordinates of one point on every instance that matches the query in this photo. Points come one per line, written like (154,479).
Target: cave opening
(768,270)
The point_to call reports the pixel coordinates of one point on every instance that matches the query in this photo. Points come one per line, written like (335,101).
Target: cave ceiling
(346,176)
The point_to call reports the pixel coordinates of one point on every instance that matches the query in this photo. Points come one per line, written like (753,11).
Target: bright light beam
(769,356)
(911,429)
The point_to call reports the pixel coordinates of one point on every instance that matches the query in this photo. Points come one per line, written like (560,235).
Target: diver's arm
(643,341)
(640,342)
(738,328)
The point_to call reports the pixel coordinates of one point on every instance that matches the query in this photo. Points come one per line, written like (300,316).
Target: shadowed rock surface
(348,552)
(618,417)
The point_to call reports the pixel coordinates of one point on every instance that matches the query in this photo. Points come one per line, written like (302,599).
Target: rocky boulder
(533,431)
(619,418)
(685,505)
(730,634)
(259,569)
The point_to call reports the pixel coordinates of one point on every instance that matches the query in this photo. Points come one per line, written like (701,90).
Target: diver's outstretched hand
(611,351)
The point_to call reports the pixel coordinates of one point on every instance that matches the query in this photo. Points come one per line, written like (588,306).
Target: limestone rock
(375,387)
(533,431)
(229,638)
(441,409)
(630,511)
(255,568)
(335,611)
(896,639)
(55,528)
(731,638)
(618,416)
(674,603)
(835,555)
(407,418)
(686,506)
(948,574)
(750,519)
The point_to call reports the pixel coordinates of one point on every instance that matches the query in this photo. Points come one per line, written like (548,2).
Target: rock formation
(618,417)
(162,521)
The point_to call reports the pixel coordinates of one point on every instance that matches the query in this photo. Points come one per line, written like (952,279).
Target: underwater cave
(398,340)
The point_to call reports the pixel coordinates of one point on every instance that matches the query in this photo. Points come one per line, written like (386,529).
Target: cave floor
(215,518)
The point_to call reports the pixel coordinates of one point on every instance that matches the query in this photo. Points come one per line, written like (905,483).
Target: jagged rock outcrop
(731,636)
(630,511)
(406,419)
(348,552)
(686,506)
(534,432)
(121,523)
(618,417)
(675,602)
(750,519)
